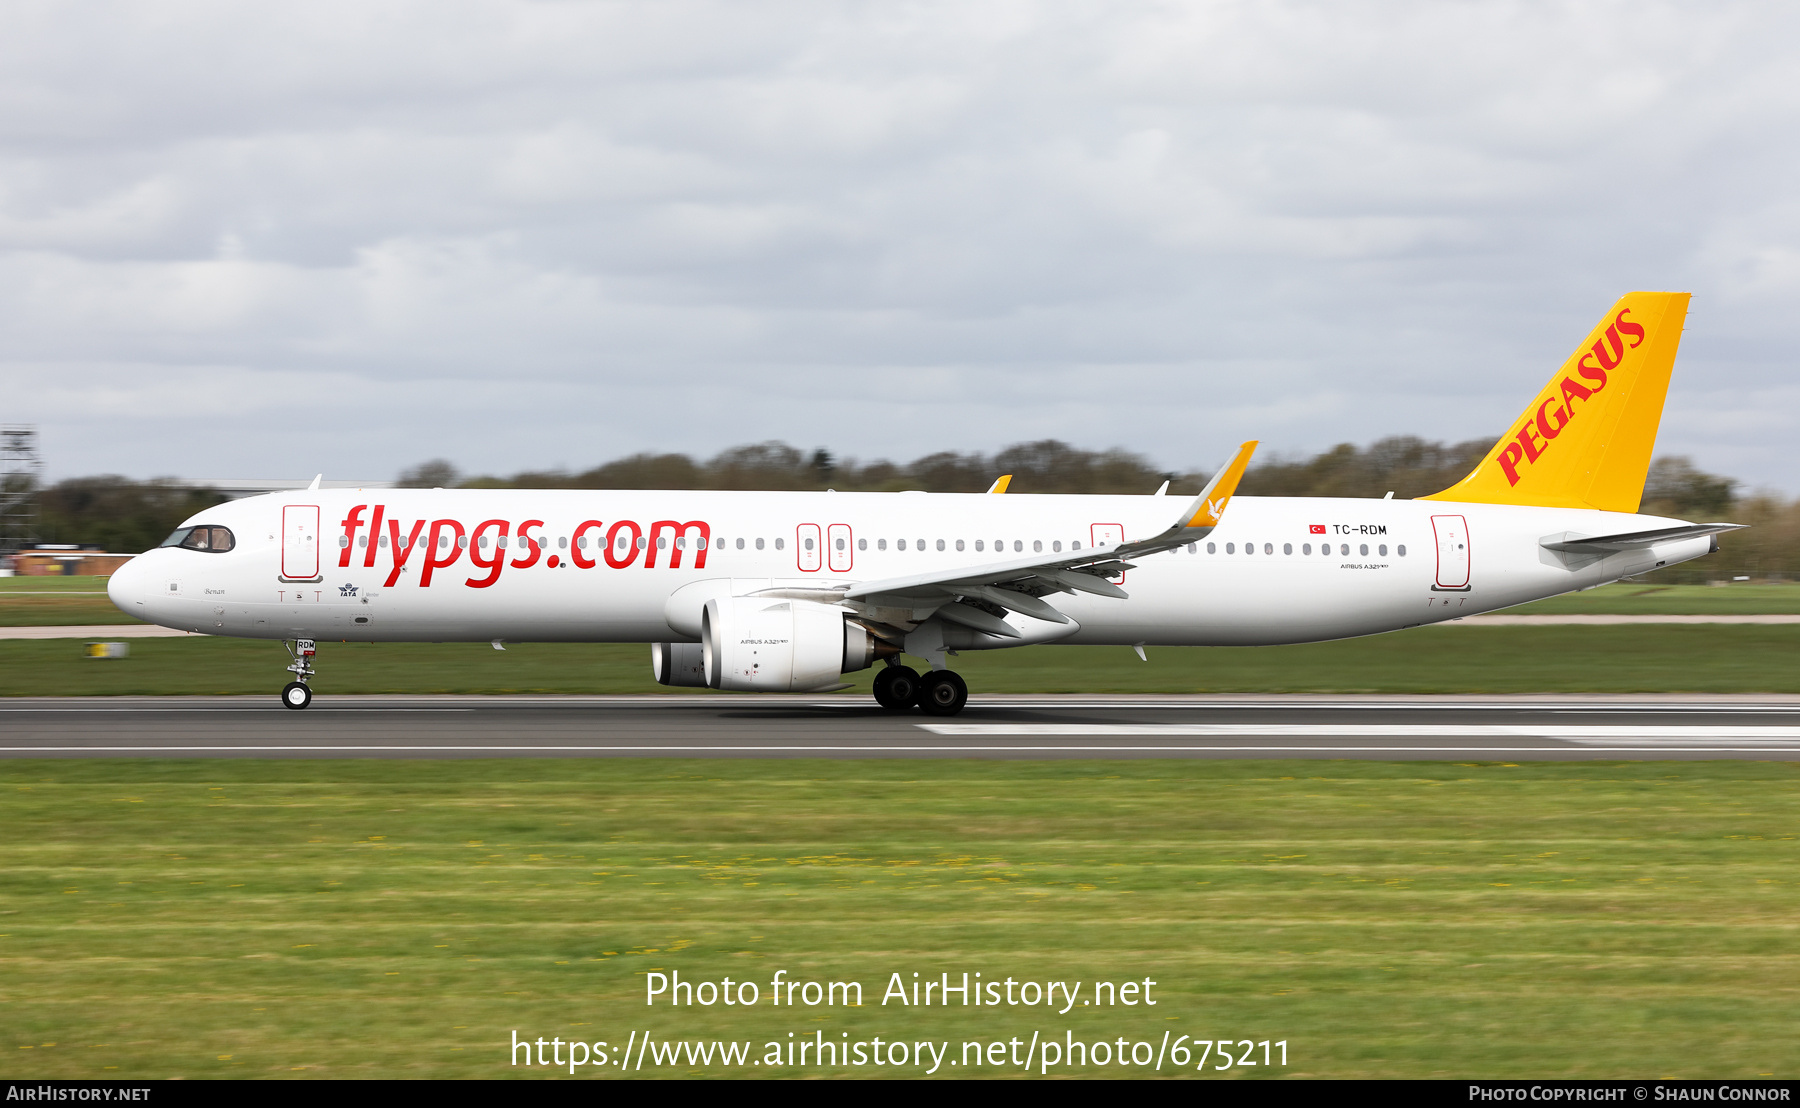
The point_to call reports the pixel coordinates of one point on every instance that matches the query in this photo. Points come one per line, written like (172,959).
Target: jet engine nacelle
(765,644)
(678,663)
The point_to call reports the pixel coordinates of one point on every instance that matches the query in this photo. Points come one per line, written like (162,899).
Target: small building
(60,560)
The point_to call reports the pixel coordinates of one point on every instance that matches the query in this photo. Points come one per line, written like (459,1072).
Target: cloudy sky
(269,240)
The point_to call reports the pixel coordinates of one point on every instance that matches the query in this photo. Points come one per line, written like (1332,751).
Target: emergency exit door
(1452,551)
(837,548)
(806,547)
(300,540)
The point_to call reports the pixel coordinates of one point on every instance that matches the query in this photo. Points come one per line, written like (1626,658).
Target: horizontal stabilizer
(1570,543)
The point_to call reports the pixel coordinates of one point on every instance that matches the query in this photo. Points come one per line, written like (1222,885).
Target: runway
(1490,728)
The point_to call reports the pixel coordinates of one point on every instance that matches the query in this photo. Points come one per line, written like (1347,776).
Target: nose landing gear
(296,694)
(938,693)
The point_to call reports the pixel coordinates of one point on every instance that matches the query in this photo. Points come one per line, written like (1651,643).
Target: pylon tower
(21,470)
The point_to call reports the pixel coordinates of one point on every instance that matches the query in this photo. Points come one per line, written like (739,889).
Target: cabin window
(1018,545)
(1231,548)
(382,542)
(1344,549)
(740,544)
(1306,548)
(920,543)
(959,544)
(781,544)
(1268,548)
(809,544)
(759,544)
(1076,545)
(1363,550)
(980,545)
(643,543)
(482,542)
(1401,549)
(1287,548)
(562,542)
(1056,546)
(362,540)
(881,544)
(1382,550)
(1037,546)
(1249,548)
(899,544)
(862,544)
(213,540)
(1212,548)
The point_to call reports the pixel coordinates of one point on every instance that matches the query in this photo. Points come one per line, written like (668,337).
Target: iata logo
(1533,437)
(346,589)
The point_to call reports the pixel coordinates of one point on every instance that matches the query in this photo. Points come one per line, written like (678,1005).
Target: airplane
(789,591)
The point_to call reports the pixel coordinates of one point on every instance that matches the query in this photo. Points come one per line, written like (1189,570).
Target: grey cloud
(353,236)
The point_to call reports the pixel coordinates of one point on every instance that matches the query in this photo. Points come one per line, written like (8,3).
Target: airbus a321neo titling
(788,591)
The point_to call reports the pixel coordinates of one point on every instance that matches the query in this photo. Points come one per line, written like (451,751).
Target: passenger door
(300,541)
(1452,552)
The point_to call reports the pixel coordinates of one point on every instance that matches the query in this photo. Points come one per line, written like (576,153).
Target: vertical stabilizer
(1586,439)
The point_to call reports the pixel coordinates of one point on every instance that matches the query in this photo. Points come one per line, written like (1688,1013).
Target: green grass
(1661,600)
(57,602)
(82,600)
(1456,658)
(401,919)
(96,585)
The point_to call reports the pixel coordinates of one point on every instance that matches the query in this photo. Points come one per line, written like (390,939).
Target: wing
(976,595)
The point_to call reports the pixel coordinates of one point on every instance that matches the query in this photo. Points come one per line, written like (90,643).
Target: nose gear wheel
(296,695)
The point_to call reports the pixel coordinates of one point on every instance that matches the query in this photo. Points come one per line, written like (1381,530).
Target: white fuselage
(1276,570)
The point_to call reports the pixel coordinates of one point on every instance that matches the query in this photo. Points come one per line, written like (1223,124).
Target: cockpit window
(213,539)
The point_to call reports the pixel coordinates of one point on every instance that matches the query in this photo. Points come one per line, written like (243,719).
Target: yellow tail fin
(1585,441)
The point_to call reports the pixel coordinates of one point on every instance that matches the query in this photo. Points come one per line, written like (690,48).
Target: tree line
(124,515)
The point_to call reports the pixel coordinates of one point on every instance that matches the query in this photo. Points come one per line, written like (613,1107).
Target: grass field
(1455,658)
(1662,600)
(56,601)
(198,919)
(65,601)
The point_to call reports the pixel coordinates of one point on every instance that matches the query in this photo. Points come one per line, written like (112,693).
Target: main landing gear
(296,694)
(938,693)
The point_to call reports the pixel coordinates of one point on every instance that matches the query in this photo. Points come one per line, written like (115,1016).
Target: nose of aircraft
(129,587)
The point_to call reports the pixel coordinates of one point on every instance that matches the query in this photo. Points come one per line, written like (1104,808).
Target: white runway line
(1491,752)
(97,631)
(1586,735)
